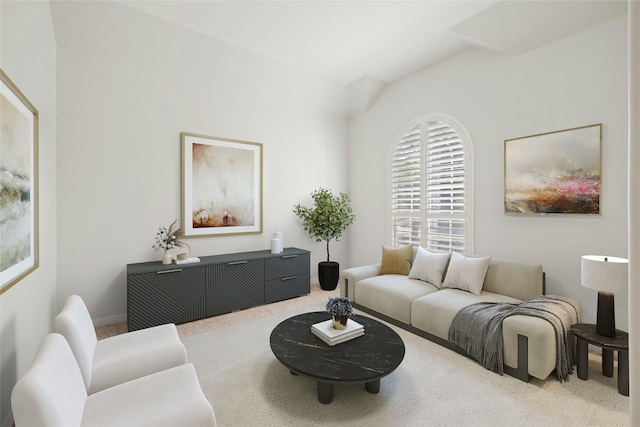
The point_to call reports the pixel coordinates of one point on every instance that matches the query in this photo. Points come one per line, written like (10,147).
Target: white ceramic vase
(167,258)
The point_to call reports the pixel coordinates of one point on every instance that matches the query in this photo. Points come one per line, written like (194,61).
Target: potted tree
(327,220)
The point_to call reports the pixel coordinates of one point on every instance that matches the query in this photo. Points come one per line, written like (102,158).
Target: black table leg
(325,392)
(372,387)
(607,363)
(623,372)
(583,359)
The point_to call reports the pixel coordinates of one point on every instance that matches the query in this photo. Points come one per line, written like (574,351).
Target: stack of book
(186,260)
(327,333)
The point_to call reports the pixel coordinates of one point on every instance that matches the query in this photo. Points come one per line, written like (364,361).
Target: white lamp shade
(605,273)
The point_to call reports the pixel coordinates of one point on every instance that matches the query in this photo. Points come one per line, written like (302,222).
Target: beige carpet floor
(433,386)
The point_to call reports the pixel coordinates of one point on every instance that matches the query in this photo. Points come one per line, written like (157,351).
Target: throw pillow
(396,260)
(466,273)
(429,266)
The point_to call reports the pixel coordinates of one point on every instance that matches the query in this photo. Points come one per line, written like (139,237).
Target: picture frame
(556,172)
(221,186)
(18,185)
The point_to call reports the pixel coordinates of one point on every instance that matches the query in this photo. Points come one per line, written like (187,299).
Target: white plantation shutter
(445,188)
(406,188)
(428,200)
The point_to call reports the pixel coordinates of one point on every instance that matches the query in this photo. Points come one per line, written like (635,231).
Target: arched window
(430,185)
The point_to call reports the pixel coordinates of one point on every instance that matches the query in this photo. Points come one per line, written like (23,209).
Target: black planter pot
(328,275)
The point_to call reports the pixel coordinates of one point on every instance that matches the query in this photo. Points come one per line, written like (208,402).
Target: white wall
(128,84)
(577,81)
(27,56)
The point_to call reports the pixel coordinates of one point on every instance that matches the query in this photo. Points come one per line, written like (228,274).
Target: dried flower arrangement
(168,238)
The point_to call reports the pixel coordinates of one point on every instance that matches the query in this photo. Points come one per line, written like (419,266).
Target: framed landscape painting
(18,185)
(554,173)
(221,186)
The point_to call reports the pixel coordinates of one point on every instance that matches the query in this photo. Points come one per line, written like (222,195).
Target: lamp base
(606,322)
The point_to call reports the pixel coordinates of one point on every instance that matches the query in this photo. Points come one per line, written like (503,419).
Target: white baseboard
(110,319)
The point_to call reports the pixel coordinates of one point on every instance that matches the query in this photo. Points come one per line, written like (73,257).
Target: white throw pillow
(429,266)
(466,273)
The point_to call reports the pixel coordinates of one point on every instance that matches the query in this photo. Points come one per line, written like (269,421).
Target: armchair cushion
(121,358)
(135,354)
(168,398)
(52,393)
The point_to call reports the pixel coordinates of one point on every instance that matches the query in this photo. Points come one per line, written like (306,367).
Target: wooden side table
(586,334)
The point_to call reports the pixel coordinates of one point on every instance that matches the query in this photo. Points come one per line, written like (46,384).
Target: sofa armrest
(351,276)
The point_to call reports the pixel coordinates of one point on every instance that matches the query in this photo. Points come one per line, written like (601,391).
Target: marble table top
(372,356)
(587,331)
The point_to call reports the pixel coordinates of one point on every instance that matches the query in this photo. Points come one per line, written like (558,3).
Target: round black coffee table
(364,359)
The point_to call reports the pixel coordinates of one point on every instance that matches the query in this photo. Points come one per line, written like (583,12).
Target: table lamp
(607,275)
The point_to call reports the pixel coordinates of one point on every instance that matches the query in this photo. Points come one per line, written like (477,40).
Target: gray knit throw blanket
(477,329)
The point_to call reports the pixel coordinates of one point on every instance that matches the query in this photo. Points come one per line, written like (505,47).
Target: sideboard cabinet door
(168,296)
(234,286)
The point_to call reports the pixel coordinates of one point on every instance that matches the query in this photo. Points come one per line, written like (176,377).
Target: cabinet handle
(237,262)
(289,256)
(169,271)
(288,278)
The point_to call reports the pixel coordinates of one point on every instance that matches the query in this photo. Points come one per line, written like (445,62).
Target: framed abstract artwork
(18,185)
(554,173)
(221,186)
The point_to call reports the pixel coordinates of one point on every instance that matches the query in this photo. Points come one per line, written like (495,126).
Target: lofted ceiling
(384,40)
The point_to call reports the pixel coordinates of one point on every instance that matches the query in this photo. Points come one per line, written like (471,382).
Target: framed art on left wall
(18,185)
(221,186)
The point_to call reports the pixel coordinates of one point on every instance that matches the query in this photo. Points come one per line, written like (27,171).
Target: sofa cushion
(391,294)
(434,313)
(466,273)
(518,279)
(429,266)
(396,260)
(351,276)
(541,350)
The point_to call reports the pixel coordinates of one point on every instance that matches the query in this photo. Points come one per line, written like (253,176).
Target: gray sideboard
(158,294)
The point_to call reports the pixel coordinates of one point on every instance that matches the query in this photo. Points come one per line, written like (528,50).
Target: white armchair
(120,358)
(52,393)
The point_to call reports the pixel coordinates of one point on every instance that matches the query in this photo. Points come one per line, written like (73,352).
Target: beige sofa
(427,309)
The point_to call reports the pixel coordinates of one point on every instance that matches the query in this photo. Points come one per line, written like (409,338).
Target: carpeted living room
(484,156)
(432,385)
